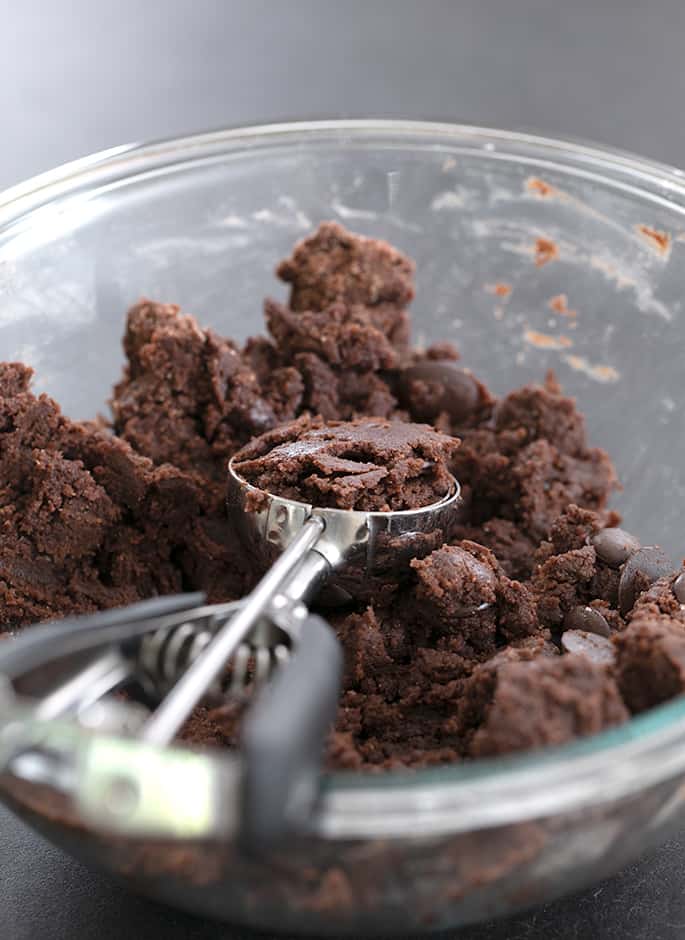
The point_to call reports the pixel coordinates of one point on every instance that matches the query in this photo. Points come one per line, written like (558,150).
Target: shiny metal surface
(361,548)
(87,686)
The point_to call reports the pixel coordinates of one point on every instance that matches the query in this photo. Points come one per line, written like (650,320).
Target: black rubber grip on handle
(283,736)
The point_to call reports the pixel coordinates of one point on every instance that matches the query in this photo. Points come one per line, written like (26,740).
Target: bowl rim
(481,794)
(668,181)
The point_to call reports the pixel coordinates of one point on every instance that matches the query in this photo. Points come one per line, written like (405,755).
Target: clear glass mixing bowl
(201,221)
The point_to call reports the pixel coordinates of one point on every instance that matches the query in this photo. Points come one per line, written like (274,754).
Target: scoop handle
(283,737)
(167,720)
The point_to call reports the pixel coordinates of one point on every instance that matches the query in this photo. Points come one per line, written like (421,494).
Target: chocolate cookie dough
(370,465)
(540,621)
(334,266)
(550,700)
(88,523)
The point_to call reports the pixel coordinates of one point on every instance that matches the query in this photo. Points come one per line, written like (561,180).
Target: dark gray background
(83,75)
(80,75)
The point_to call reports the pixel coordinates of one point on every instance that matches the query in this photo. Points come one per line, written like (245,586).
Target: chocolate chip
(640,571)
(679,588)
(587,619)
(450,389)
(598,649)
(614,546)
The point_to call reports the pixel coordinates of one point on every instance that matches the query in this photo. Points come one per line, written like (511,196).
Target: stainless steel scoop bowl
(360,549)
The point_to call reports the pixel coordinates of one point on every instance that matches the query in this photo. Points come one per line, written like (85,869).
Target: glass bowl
(501,224)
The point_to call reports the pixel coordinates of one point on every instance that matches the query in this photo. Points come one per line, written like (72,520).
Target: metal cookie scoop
(306,546)
(177,649)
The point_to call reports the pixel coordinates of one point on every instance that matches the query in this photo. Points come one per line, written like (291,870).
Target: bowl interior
(531,254)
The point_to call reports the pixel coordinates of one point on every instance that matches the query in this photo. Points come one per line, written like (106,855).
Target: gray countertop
(81,75)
